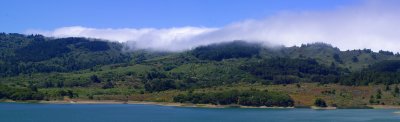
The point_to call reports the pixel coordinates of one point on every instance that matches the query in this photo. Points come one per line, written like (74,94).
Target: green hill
(37,67)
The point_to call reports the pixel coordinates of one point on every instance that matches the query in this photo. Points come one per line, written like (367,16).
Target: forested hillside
(22,54)
(37,67)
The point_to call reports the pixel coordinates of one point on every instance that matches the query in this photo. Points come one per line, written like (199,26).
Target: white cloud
(374,24)
(171,39)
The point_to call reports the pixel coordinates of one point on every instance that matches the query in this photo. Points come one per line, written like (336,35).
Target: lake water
(16,112)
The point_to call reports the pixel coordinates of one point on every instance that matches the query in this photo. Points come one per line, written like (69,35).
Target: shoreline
(323,108)
(384,106)
(173,104)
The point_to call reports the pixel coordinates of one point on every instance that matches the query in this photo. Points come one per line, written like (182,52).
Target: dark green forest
(246,98)
(34,67)
(22,54)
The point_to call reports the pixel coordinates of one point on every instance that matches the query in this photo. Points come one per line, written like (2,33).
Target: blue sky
(21,15)
(176,25)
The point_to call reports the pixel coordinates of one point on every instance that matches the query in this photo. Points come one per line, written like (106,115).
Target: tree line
(244,97)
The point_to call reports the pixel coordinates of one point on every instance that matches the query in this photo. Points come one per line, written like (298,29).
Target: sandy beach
(153,103)
(384,106)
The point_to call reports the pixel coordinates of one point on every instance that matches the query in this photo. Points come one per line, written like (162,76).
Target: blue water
(15,112)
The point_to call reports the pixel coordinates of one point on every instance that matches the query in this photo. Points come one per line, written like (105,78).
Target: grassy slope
(344,96)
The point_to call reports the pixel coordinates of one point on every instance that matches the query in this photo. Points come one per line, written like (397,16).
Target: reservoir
(18,112)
